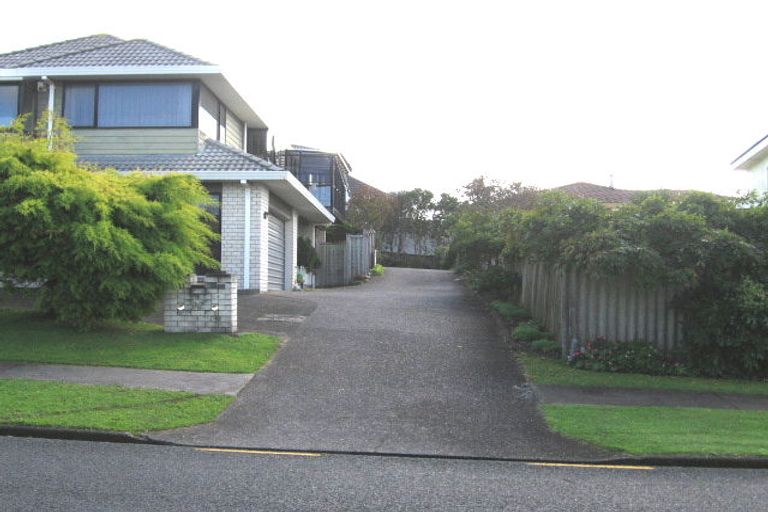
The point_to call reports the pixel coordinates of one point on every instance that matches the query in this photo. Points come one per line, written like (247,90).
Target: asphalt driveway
(407,363)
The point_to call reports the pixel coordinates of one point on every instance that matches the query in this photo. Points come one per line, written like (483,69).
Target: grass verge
(27,336)
(55,404)
(664,430)
(541,370)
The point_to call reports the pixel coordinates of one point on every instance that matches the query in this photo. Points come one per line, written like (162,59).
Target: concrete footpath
(193,382)
(648,398)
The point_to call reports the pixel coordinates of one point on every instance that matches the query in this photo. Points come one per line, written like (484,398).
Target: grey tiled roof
(357,187)
(212,157)
(30,56)
(598,192)
(104,51)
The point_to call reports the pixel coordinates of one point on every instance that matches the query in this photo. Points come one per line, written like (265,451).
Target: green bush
(377,270)
(529,332)
(306,255)
(496,282)
(629,357)
(101,245)
(547,347)
(510,311)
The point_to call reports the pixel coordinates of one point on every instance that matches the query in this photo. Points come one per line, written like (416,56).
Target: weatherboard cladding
(103,51)
(213,157)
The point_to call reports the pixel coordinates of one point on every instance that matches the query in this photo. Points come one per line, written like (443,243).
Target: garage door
(276,263)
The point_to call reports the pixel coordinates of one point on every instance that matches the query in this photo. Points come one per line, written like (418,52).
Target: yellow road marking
(596,466)
(258,452)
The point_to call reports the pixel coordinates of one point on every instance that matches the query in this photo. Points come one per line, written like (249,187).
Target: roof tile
(102,51)
(30,56)
(213,157)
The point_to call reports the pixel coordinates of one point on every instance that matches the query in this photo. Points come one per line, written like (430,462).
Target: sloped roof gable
(99,51)
(212,157)
(31,56)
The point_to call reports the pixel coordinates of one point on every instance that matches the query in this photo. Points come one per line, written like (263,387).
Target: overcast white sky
(433,94)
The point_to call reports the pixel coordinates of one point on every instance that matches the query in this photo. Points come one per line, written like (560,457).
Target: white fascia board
(11,78)
(94,71)
(756,153)
(267,177)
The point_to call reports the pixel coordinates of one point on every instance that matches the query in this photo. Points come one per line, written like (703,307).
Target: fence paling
(573,305)
(345,261)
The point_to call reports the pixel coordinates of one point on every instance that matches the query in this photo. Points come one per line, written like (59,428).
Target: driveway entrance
(407,363)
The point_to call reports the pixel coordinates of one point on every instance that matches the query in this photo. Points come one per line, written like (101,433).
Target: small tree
(100,245)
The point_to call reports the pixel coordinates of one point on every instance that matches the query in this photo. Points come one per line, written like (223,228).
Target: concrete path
(407,363)
(194,382)
(648,398)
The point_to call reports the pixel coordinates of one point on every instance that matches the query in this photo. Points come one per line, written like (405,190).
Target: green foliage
(510,311)
(529,332)
(546,347)
(630,357)
(377,270)
(306,254)
(338,232)
(713,251)
(496,282)
(101,245)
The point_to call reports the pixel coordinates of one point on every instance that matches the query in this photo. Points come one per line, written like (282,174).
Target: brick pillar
(206,304)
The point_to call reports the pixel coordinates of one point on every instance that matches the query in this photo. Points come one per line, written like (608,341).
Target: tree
(99,244)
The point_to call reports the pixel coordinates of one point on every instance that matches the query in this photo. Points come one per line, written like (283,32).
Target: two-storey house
(137,105)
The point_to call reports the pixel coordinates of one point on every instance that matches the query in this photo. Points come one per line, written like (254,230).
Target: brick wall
(206,304)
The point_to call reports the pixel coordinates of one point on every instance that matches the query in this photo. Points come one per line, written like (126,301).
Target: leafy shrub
(727,334)
(377,270)
(306,255)
(529,332)
(101,245)
(630,357)
(496,282)
(546,347)
(510,311)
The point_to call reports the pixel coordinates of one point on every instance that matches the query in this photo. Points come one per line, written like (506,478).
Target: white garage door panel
(276,264)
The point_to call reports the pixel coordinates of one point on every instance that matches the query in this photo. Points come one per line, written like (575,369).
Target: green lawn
(664,430)
(27,336)
(54,404)
(548,371)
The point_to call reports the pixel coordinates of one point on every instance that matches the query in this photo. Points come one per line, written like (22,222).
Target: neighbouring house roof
(609,195)
(600,193)
(752,156)
(102,51)
(218,162)
(357,187)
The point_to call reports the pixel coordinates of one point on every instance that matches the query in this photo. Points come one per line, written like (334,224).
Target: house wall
(133,141)
(759,175)
(234,135)
(233,214)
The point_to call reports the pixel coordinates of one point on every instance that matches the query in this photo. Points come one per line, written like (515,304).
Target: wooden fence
(343,263)
(573,305)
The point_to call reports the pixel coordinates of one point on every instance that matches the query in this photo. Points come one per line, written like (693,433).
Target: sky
(649,94)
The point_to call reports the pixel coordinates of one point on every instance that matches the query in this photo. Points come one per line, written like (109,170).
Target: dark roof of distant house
(212,157)
(100,50)
(357,187)
(600,193)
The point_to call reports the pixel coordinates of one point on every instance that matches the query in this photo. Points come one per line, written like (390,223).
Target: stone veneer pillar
(206,304)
